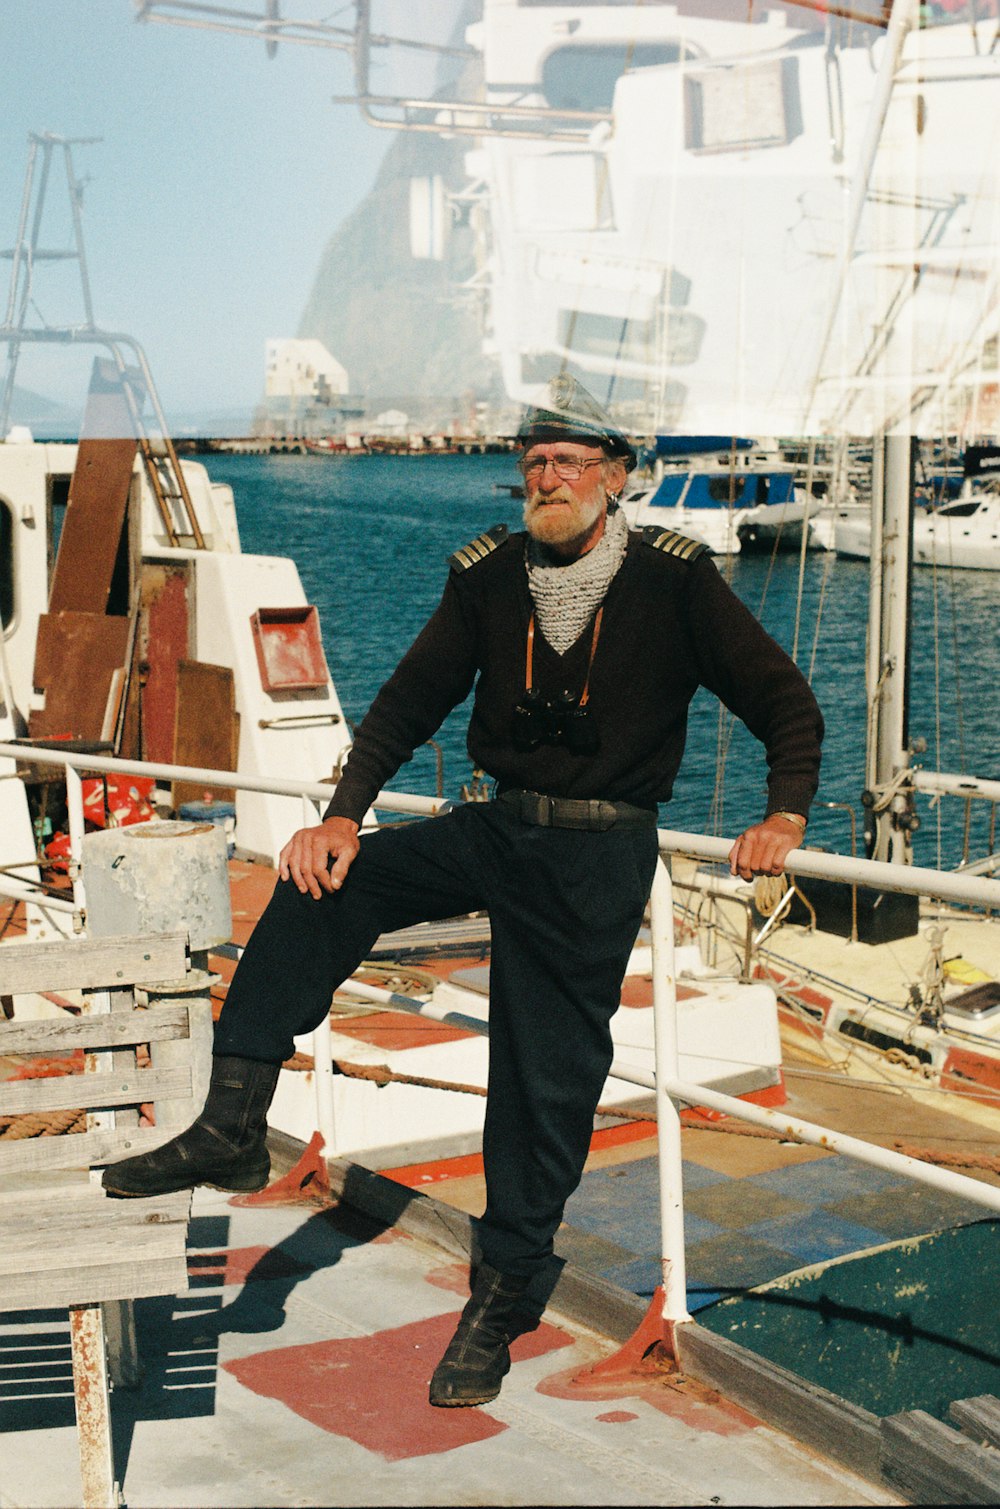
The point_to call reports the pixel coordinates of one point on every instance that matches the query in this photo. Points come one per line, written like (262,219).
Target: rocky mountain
(403,327)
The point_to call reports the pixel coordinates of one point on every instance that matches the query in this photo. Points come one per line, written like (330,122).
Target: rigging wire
(828,559)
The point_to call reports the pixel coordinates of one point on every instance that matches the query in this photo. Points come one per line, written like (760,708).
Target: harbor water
(371,536)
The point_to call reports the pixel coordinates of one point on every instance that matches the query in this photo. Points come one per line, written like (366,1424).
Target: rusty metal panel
(206,731)
(164,643)
(76,656)
(93,1411)
(94,530)
(95,539)
(129,745)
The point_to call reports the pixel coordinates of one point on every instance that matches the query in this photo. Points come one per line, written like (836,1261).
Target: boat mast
(888,798)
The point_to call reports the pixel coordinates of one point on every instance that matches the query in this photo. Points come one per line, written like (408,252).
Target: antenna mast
(27,253)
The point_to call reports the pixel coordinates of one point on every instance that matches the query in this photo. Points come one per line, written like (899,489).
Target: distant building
(305,391)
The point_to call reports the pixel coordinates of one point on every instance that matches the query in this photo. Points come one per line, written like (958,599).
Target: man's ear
(615,477)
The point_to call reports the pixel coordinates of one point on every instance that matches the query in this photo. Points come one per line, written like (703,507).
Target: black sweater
(669,625)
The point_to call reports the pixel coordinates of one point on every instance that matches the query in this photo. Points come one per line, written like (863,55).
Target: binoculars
(540,720)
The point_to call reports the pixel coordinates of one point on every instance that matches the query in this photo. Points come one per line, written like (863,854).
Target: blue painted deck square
(734,1261)
(641,1276)
(819,1236)
(622,1205)
(827,1180)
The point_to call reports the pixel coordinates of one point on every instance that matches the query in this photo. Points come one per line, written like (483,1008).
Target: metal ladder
(166,479)
(163,469)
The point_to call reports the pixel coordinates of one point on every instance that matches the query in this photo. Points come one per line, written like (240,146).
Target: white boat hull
(950,537)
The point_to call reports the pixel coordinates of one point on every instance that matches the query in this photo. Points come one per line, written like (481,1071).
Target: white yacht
(732,496)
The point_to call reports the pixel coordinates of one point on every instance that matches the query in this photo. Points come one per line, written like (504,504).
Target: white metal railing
(669,1087)
(964,888)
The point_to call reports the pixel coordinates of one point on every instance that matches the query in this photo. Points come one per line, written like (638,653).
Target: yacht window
(724,489)
(619,338)
(606,335)
(6,565)
(58,498)
(958,510)
(583,77)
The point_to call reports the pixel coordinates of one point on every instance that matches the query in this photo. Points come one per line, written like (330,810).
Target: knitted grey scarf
(566,597)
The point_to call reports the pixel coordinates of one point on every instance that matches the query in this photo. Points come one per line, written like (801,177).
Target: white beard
(564,525)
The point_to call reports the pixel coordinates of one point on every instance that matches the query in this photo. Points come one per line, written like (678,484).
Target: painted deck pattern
(295,1373)
(310,1331)
(755,1208)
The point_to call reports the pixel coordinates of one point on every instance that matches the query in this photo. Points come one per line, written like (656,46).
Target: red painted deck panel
(373,1389)
(417,1175)
(393,1030)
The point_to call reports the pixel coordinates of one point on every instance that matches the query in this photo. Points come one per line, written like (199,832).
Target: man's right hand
(304,859)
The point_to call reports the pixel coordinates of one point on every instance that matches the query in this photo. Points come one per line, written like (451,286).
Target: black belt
(568,812)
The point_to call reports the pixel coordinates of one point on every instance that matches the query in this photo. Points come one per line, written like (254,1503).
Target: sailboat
(959,534)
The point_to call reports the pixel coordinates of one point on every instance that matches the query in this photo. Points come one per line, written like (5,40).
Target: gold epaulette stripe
(672,543)
(477,550)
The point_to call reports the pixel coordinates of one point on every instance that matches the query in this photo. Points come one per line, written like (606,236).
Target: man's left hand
(763,849)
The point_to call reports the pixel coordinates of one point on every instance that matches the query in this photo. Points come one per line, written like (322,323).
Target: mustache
(537,498)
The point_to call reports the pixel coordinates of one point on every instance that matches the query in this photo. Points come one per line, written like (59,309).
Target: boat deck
(755,1207)
(295,1372)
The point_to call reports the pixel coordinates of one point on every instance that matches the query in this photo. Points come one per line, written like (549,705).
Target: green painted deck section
(911,1325)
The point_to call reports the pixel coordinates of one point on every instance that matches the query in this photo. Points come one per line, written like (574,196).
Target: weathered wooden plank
(31,1154)
(166,1274)
(195,1050)
(114,1030)
(75,1222)
(98,497)
(43,1185)
(92,963)
(978,1418)
(206,728)
(836,1427)
(929,1463)
(93,1247)
(89,1091)
(58,1244)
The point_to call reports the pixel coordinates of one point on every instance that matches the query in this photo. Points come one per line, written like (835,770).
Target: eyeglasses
(567,468)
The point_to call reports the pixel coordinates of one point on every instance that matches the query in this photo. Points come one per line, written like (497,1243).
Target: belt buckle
(536,809)
(604,815)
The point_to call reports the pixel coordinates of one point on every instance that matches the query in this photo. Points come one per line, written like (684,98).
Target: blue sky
(220,177)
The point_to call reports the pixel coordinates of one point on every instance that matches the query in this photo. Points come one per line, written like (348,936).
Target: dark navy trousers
(564,908)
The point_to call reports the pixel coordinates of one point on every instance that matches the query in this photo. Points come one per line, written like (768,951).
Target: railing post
(74,806)
(668,1122)
(321,1042)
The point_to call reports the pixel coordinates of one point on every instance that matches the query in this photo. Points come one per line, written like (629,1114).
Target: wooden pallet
(65,1241)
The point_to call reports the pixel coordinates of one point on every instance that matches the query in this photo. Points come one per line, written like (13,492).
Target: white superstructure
(303,371)
(215,594)
(785,224)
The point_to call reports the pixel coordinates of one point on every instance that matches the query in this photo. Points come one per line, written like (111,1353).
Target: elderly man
(585,642)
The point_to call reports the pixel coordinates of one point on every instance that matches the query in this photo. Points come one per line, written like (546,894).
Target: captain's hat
(566,411)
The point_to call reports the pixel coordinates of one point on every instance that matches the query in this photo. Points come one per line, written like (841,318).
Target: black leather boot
(478,1356)
(224,1148)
